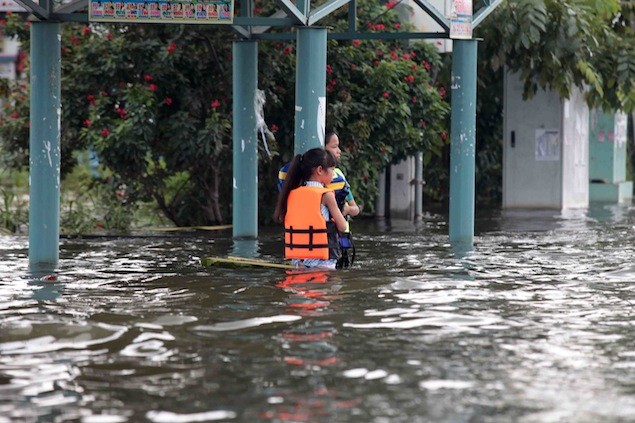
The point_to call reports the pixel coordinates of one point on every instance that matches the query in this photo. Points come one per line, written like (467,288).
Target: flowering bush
(378,95)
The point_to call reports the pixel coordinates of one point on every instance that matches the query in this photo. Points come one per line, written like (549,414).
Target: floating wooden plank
(185,228)
(242,262)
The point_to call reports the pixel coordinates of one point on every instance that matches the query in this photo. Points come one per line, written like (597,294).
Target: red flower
(406,56)
(287,50)
(15,115)
(426,65)
(393,55)
(90,98)
(422,124)
(109,36)
(147,77)
(391,4)
(413,54)
(353,66)
(75,40)
(356,43)
(86,30)
(274,127)
(215,104)
(413,100)
(444,135)
(87,123)
(329,69)
(396,25)
(385,94)
(168,101)
(105,132)
(171,47)
(442,92)
(410,79)
(152,87)
(376,63)
(380,27)
(3,22)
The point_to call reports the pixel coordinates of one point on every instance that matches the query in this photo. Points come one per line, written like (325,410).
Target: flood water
(535,324)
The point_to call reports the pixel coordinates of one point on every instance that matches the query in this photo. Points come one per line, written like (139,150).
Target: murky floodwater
(536,324)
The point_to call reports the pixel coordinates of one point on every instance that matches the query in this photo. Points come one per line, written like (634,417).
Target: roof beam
(269,22)
(264,28)
(289,36)
(35,8)
(71,7)
(484,12)
(325,10)
(292,12)
(434,13)
(242,31)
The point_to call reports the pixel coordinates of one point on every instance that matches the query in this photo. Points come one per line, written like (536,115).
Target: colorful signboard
(461,19)
(167,11)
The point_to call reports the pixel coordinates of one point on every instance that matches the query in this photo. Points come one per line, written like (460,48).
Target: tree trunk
(167,211)
(212,206)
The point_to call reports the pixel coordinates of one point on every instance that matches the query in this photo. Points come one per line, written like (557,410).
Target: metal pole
(310,89)
(418,186)
(380,202)
(44,146)
(463,142)
(245,145)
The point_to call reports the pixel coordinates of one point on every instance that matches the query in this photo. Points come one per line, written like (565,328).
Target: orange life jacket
(306,232)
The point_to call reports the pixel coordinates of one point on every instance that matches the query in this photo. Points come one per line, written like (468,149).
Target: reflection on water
(534,323)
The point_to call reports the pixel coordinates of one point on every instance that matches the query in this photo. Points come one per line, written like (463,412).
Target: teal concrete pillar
(245,145)
(310,89)
(463,142)
(607,158)
(44,146)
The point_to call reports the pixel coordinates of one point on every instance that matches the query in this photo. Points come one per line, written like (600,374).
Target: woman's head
(332,144)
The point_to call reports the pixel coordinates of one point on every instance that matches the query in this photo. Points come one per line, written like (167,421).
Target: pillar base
(616,192)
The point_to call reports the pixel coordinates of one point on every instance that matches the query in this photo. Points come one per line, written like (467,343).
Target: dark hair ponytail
(299,172)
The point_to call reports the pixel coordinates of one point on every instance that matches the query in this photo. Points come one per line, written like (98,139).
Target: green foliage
(91,203)
(13,205)
(553,45)
(141,98)
(561,44)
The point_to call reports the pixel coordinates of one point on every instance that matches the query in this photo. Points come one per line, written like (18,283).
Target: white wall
(538,173)
(402,192)
(527,182)
(575,184)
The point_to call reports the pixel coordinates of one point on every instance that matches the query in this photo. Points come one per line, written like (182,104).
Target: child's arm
(328,199)
(351,209)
